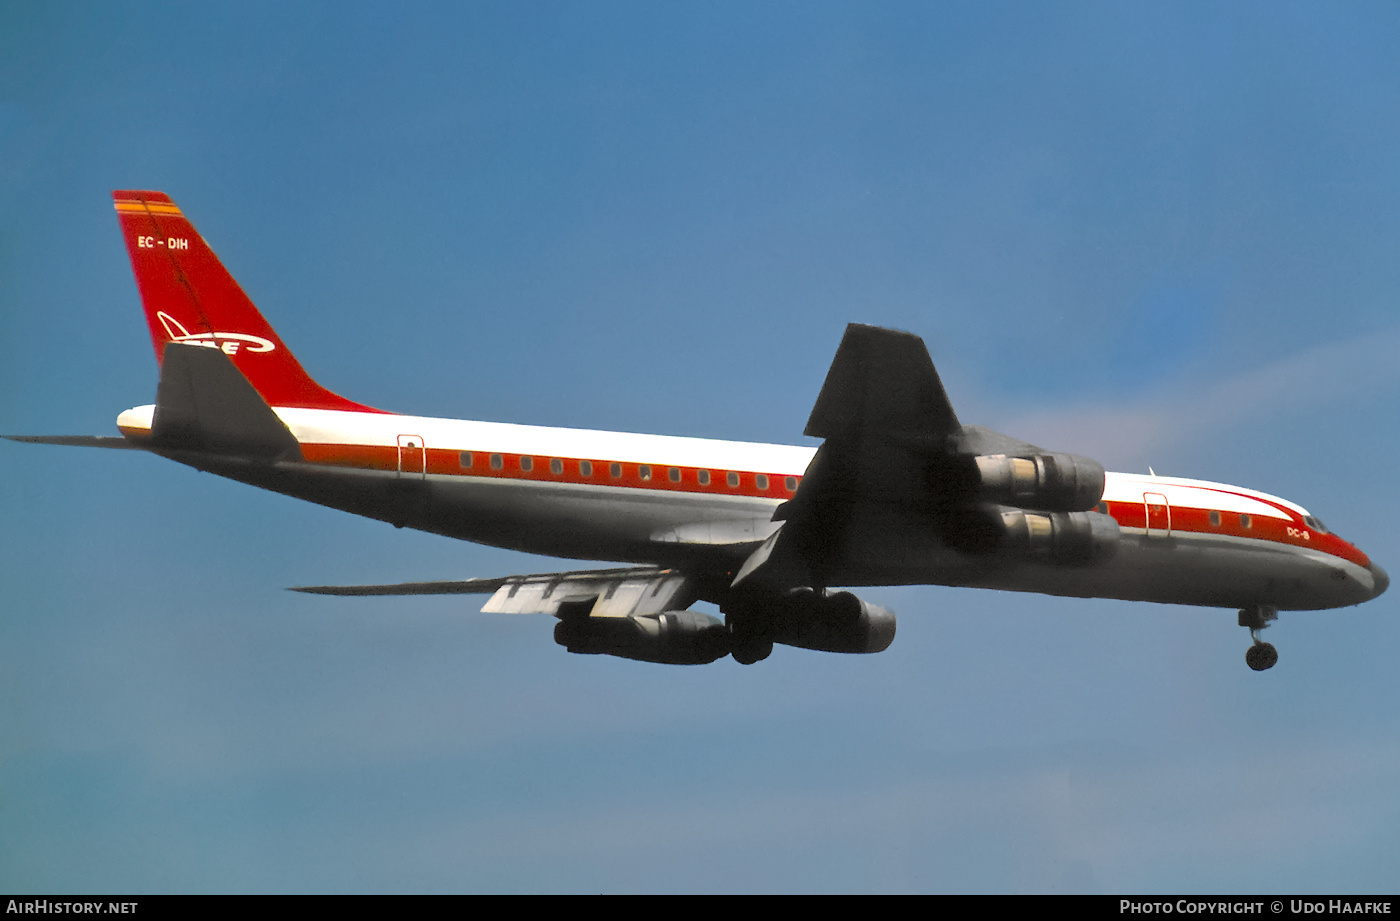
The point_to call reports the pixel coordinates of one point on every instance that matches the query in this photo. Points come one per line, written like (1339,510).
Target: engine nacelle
(671,638)
(1061,537)
(1051,482)
(833,623)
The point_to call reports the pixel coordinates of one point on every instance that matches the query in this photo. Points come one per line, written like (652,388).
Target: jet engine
(833,623)
(671,638)
(1062,537)
(1049,482)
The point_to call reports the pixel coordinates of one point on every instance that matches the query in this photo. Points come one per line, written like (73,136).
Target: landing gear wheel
(1256,617)
(750,636)
(1261,656)
(747,653)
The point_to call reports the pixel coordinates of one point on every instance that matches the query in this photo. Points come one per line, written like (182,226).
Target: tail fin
(190,297)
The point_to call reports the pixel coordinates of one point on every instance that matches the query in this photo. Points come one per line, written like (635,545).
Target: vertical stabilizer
(189,297)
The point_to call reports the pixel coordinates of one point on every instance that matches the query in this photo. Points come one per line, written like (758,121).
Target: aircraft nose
(1380,581)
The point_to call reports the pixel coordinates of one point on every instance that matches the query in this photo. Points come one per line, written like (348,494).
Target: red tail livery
(190,297)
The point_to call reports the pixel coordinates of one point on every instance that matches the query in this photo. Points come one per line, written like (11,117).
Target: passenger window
(527,463)
(644,471)
(585,468)
(1215,519)
(734,480)
(791,484)
(1245,522)
(465,459)
(762,481)
(615,470)
(674,474)
(496,462)
(704,477)
(556,466)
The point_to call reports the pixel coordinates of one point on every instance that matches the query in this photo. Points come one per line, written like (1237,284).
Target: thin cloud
(1131,434)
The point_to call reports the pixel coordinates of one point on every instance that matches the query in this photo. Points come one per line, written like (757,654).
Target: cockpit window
(1316,525)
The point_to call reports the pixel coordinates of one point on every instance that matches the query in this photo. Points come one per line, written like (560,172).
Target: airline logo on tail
(229,342)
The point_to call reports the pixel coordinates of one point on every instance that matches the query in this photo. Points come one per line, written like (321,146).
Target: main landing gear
(1261,655)
(749,641)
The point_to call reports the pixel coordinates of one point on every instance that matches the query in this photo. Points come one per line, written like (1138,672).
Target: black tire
(1261,656)
(752,651)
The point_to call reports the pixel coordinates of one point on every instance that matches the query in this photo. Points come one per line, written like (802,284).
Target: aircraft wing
(893,444)
(633,591)
(883,382)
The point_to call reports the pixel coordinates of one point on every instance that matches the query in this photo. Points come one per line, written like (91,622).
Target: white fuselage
(672,500)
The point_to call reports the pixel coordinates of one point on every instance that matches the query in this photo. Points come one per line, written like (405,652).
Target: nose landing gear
(1261,655)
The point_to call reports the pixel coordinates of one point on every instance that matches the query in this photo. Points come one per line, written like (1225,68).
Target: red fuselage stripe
(410,461)
(445,462)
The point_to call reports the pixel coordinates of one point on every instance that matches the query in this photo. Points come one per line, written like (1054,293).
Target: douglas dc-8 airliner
(899,492)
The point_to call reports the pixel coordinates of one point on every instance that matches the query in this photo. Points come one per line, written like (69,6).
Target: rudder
(190,297)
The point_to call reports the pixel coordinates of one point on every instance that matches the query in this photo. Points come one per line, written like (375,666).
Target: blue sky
(1155,234)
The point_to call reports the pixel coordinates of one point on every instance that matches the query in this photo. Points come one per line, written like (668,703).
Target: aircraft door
(413,457)
(1159,514)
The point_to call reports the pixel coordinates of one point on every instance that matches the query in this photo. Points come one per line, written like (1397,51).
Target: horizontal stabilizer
(204,403)
(76,441)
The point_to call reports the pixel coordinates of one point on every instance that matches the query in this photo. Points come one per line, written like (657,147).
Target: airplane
(899,492)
